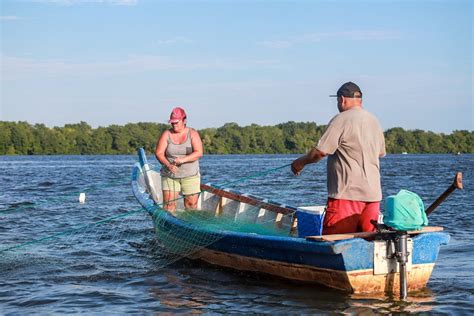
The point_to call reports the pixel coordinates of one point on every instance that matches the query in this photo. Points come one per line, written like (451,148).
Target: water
(115,267)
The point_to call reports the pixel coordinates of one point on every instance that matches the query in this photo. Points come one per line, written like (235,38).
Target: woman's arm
(161,145)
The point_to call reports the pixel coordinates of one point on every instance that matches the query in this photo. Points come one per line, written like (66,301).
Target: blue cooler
(310,220)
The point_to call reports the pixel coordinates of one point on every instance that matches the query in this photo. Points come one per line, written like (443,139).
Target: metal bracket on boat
(380,227)
(385,260)
(393,253)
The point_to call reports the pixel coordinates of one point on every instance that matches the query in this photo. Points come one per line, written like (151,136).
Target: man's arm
(313,156)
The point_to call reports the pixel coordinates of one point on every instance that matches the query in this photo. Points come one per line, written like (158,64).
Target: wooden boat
(357,263)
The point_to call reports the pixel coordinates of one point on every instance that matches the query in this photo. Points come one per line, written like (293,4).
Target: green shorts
(188,186)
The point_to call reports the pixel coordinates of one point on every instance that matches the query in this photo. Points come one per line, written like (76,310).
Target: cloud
(277,44)
(175,41)
(309,38)
(19,67)
(9,18)
(76,2)
(370,35)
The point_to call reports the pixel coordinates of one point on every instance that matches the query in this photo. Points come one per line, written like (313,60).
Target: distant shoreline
(22,138)
(209,154)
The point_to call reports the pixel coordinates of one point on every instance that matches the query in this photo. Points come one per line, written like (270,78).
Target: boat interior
(241,208)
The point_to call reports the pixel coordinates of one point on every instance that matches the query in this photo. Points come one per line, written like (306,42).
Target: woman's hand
(172,168)
(179,161)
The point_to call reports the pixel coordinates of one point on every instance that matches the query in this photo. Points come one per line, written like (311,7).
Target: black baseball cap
(348,90)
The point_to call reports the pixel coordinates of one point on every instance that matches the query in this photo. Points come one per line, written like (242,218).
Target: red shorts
(345,216)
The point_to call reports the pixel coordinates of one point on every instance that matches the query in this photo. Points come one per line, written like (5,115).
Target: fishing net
(105,244)
(182,232)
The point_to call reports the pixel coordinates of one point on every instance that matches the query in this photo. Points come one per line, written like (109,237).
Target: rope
(67,231)
(256,175)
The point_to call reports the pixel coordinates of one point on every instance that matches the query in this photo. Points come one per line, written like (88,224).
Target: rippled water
(115,268)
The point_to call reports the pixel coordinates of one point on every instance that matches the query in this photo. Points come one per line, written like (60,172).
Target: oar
(457,184)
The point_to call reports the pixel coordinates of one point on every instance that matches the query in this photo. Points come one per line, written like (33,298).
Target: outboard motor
(399,239)
(403,212)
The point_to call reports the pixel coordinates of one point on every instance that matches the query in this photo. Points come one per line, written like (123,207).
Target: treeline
(22,138)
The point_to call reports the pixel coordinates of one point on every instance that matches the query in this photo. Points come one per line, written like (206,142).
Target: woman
(178,150)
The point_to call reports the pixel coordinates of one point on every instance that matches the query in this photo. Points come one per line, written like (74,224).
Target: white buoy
(82,198)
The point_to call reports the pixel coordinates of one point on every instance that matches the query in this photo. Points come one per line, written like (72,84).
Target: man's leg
(370,212)
(342,216)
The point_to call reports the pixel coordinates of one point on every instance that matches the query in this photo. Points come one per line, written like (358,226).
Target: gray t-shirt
(354,142)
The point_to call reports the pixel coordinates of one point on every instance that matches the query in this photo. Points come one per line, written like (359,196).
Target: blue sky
(266,62)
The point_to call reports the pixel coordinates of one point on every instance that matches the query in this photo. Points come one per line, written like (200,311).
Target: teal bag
(405,211)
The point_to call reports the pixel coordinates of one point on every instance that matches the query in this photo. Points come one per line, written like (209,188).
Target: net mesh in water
(197,229)
(107,246)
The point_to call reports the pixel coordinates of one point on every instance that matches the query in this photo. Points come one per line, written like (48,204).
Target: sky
(264,61)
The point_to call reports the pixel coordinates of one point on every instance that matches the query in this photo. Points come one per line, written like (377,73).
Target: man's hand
(314,155)
(297,167)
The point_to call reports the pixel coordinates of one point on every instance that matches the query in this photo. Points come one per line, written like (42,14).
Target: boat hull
(358,281)
(346,265)
(350,265)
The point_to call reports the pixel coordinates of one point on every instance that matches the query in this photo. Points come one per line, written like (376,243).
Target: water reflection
(416,302)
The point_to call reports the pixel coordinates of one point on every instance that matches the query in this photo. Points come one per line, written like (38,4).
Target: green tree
(22,138)
(290,137)
(6,144)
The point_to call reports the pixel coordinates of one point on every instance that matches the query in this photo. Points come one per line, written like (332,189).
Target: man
(353,142)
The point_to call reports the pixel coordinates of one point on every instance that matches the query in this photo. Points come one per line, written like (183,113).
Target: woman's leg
(191,187)
(169,201)
(171,188)
(191,201)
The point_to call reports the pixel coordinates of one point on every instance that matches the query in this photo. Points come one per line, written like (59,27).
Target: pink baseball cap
(177,115)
